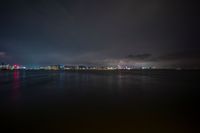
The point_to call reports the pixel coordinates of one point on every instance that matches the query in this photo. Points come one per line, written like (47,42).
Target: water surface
(99,101)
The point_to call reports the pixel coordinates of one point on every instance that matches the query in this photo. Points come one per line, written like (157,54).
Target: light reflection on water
(107,96)
(16,84)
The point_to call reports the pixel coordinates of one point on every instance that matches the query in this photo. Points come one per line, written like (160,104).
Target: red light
(16,66)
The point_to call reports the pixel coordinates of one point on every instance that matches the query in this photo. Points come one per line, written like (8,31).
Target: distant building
(4,66)
(69,67)
(81,67)
(15,67)
(55,67)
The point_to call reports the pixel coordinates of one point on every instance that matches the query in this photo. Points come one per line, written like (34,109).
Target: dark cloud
(184,59)
(139,56)
(3,55)
(98,31)
(184,55)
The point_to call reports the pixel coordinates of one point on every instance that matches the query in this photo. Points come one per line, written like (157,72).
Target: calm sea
(156,101)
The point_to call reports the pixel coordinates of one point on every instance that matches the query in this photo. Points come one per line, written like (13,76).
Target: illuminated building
(69,67)
(5,66)
(81,67)
(55,67)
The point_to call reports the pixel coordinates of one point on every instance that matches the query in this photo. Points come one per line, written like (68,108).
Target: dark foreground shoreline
(100,101)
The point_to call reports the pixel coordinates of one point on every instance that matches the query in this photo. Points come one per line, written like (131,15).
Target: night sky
(100,32)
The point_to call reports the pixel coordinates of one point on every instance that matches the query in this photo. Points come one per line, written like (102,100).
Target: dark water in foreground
(137,101)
